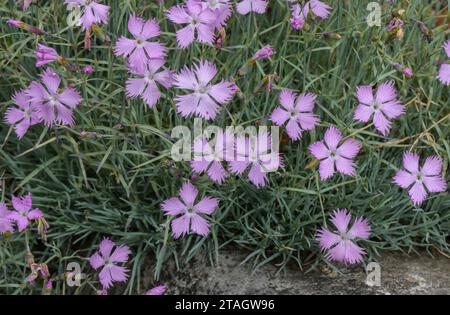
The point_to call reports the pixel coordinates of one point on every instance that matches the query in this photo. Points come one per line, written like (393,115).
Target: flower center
(214,4)
(333,154)
(419,177)
(149,77)
(108,262)
(140,42)
(345,237)
(53,100)
(203,89)
(27,113)
(376,106)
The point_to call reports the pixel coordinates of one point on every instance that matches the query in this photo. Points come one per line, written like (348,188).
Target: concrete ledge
(400,274)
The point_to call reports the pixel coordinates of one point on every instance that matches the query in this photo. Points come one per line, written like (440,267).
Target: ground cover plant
(90,92)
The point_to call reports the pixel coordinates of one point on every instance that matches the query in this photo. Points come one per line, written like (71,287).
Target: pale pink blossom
(297,112)
(108,258)
(206,98)
(23,115)
(23,213)
(383,106)
(421,181)
(140,50)
(190,215)
(335,155)
(341,245)
(145,85)
(52,104)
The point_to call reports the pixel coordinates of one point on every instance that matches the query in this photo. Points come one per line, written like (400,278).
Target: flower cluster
(202,91)
(43,102)
(22,216)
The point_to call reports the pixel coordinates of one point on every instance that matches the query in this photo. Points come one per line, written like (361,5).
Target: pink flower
(52,105)
(88,70)
(246,6)
(15,23)
(297,22)
(256,152)
(201,21)
(92,13)
(333,156)
(264,53)
(384,106)
(297,111)
(300,13)
(444,71)
(208,159)
(49,284)
(420,181)
(23,116)
(45,55)
(206,99)
(408,72)
(5,219)
(139,50)
(341,246)
(221,9)
(23,213)
(26,27)
(145,85)
(159,290)
(107,258)
(190,218)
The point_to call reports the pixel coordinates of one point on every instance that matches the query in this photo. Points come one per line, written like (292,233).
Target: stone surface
(400,274)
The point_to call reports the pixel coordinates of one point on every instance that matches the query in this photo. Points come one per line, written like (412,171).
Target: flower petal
(435,184)
(432,166)
(173,206)
(279,116)
(96,261)
(349,149)
(382,124)
(386,92)
(188,193)
(287,99)
(181,226)
(418,193)
(360,229)
(326,169)
(411,162)
(341,219)
(345,166)
(332,137)
(120,254)
(404,179)
(319,150)
(106,247)
(327,239)
(199,225)
(207,205)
